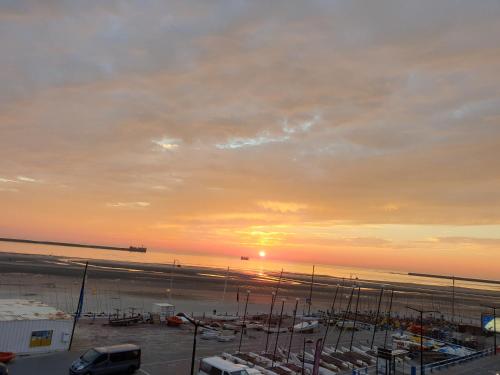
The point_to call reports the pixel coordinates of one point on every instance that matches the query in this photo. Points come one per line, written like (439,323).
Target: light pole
(422,312)
(193,354)
(243,326)
(171,280)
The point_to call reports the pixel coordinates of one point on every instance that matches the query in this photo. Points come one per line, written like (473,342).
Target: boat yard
(167,350)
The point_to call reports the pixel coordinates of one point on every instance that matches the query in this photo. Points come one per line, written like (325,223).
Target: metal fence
(441,365)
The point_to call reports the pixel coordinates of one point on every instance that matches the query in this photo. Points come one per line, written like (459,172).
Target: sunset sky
(349,133)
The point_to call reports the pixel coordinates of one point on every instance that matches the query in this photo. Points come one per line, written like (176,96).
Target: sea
(259,266)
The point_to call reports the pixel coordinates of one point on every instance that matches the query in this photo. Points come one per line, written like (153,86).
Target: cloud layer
(246,124)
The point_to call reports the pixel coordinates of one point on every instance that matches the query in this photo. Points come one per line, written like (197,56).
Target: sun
(262,254)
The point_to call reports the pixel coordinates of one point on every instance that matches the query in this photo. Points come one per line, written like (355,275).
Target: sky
(354,133)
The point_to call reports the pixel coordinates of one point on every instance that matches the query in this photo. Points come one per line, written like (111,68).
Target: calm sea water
(259,265)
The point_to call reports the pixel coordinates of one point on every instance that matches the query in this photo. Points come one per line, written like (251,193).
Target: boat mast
(225,285)
(330,316)
(376,316)
(345,317)
(355,318)
(388,318)
(310,293)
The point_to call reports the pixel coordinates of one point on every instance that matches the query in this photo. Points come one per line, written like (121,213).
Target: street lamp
(193,354)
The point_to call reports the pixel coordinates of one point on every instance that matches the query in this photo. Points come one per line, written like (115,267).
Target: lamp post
(193,354)
(422,312)
(244,318)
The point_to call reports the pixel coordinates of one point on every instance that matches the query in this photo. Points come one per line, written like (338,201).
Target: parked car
(106,360)
(3,369)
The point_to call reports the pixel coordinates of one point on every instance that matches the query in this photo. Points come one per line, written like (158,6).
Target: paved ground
(167,350)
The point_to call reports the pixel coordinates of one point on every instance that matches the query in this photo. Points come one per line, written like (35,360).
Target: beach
(113,286)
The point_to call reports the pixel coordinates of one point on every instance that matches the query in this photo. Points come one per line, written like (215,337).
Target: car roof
(117,348)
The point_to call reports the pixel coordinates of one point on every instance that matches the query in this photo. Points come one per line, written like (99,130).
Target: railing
(365,370)
(437,366)
(429,368)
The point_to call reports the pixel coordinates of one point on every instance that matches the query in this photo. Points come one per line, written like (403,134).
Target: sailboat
(306,326)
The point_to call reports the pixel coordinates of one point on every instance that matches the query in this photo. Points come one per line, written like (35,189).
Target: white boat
(362,352)
(308,317)
(225,338)
(216,364)
(235,359)
(306,326)
(348,324)
(223,318)
(274,329)
(210,335)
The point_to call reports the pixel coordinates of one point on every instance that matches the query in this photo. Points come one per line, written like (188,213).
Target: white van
(220,366)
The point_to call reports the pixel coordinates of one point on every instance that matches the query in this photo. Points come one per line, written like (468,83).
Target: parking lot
(165,350)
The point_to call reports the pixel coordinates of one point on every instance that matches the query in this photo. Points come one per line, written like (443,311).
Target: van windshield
(90,356)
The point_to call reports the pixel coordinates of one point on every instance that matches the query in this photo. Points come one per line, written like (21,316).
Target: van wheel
(131,369)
